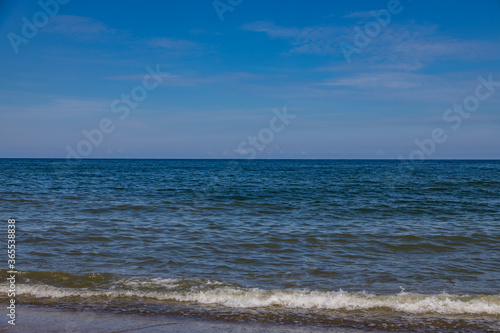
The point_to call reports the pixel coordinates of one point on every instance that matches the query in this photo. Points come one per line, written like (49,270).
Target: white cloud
(173,44)
(191,80)
(314,39)
(366,14)
(379,80)
(79,27)
(402,46)
(84,28)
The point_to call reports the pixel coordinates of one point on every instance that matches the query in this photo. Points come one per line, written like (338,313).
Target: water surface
(345,243)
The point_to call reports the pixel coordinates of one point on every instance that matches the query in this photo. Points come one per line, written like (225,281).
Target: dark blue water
(418,239)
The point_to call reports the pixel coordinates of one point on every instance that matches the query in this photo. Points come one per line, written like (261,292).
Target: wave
(292,299)
(64,287)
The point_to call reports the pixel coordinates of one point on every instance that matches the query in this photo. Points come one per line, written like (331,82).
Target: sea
(373,245)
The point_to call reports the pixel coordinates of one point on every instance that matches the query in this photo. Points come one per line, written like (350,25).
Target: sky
(250,79)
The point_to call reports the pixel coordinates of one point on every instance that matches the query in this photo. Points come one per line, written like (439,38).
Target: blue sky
(220,80)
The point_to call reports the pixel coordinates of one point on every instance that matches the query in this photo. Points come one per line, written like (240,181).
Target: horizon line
(246,159)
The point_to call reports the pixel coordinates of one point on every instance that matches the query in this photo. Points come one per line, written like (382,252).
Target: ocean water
(373,245)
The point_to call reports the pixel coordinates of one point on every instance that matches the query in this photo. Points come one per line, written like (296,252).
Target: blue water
(341,230)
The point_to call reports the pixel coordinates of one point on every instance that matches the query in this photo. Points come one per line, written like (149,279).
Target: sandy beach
(44,319)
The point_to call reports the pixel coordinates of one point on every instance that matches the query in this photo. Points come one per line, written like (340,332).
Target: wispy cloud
(192,80)
(204,32)
(424,43)
(366,14)
(314,39)
(79,27)
(405,46)
(88,29)
(272,29)
(377,80)
(180,45)
(53,107)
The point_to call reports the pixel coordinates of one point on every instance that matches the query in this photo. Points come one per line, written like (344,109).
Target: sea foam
(238,297)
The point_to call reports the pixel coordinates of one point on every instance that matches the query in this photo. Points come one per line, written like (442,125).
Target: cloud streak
(81,28)
(404,46)
(90,30)
(364,15)
(180,45)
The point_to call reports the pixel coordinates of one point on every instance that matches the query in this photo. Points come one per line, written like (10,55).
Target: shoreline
(48,319)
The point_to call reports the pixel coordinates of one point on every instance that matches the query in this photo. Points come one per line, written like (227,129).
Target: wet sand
(44,319)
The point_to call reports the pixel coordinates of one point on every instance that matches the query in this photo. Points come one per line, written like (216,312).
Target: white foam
(289,299)
(151,282)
